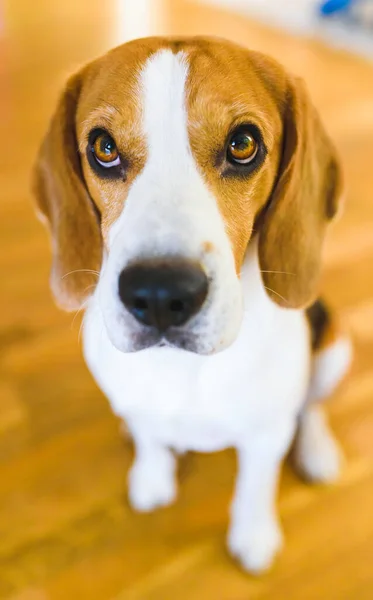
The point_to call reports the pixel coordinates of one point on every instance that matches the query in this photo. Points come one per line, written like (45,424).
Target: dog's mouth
(176,325)
(175,342)
(165,344)
(183,341)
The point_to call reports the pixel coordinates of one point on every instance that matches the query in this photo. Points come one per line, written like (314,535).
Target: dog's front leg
(255,535)
(151,481)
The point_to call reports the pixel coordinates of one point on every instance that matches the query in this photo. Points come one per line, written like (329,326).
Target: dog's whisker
(83,307)
(277,294)
(81,271)
(279,272)
(89,287)
(75,316)
(80,331)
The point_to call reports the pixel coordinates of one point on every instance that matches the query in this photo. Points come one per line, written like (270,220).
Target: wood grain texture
(66,531)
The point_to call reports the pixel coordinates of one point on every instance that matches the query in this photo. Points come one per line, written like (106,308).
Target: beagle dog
(187,185)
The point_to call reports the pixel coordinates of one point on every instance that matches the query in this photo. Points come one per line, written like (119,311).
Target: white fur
(329,366)
(316,452)
(250,395)
(170,211)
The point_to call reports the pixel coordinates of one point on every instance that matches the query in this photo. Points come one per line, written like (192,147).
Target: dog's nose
(163,293)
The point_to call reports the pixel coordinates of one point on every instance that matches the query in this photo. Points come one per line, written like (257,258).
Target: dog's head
(162,159)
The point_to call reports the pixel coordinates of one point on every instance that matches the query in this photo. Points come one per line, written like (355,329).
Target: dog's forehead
(225,73)
(163,100)
(221,74)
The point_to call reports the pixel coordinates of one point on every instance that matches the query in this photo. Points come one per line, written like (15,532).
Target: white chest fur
(206,403)
(248,397)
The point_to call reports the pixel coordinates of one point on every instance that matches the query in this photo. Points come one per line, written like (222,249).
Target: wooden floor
(66,532)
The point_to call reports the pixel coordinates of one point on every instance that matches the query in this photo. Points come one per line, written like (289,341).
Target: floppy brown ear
(304,200)
(64,203)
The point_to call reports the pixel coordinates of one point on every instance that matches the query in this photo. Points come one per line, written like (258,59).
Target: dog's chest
(201,403)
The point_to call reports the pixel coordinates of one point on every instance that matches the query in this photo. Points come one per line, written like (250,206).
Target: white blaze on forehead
(181,211)
(165,121)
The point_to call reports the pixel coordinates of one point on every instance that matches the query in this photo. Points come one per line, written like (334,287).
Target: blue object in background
(331,7)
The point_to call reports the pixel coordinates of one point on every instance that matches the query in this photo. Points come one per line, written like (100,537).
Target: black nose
(163,293)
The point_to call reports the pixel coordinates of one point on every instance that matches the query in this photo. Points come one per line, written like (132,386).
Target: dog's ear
(305,198)
(63,202)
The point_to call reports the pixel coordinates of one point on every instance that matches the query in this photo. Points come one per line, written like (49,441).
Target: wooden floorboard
(66,531)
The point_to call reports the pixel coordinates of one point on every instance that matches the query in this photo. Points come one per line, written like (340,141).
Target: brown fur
(305,198)
(64,201)
(288,200)
(224,87)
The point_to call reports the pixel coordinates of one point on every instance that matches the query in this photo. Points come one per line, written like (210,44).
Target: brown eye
(105,151)
(242,148)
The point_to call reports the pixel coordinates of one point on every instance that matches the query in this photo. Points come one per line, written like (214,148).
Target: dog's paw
(151,486)
(255,547)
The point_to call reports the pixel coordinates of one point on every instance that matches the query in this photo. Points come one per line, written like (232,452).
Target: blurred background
(66,531)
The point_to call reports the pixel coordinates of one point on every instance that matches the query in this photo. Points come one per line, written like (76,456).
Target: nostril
(140,304)
(177,306)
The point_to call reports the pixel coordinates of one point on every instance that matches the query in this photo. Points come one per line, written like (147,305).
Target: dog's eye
(242,147)
(105,151)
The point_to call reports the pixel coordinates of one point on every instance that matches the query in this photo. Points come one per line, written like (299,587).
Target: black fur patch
(319,319)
